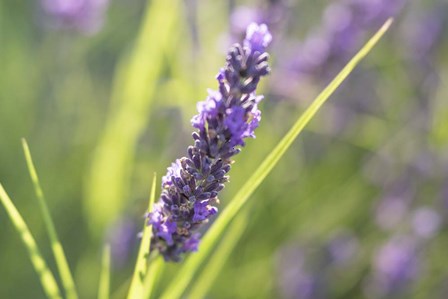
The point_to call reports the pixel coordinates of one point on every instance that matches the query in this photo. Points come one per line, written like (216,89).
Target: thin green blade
(58,251)
(217,261)
(141,266)
(184,277)
(47,280)
(154,273)
(104,285)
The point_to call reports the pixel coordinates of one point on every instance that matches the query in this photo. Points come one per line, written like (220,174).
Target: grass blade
(217,261)
(132,97)
(58,251)
(191,266)
(141,266)
(47,280)
(154,271)
(104,285)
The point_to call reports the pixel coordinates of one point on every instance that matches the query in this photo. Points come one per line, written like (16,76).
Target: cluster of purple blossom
(225,119)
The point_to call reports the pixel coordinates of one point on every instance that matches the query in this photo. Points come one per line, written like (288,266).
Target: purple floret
(258,37)
(173,170)
(228,116)
(202,211)
(237,123)
(207,109)
(192,243)
(164,227)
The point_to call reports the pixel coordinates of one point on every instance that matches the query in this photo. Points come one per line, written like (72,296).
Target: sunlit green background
(103,112)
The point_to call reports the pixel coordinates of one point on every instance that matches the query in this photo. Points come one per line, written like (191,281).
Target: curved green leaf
(141,266)
(104,285)
(58,251)
(154,273)
(217,261)
(47,280)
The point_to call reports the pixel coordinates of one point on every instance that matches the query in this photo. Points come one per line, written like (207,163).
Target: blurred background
(103,90)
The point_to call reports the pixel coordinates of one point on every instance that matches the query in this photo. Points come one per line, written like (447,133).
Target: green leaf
(217,261)
(104,285)
(133,94)
(186,274)
(47,280)
(58,251)
(141,267)
(154,273)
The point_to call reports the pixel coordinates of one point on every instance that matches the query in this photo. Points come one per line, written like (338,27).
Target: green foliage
(104,285)
(132,97)
(58,251)
(141,267)
(47,280)
(217,261)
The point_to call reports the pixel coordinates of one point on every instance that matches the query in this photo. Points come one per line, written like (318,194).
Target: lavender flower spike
(228,116)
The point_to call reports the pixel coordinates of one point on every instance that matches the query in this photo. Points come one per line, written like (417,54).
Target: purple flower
(396,265)
(255,114)
(164,227)
(258,37)
(122,238)
(242,17)
(192,243)
(390,212)
(272,14)
(172,171)
(237,123)
(298,277)
(84,15)
(228,116)
(425,31)
(342,248)
(207,109)
(202,210)
(426,222)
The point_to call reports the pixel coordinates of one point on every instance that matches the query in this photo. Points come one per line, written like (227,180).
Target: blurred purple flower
(390,212)
(210,107)
(444,196)
(426,222)
(258,37)
(295,280)
(307,271)
(425,31)
(172,171)
(272,14)
(83,15)
(122,237)
(242,17)
(396,266)
(342,248)
(225,119)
